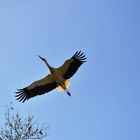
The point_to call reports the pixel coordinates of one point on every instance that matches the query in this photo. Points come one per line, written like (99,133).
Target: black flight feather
(25,93)
(78,59)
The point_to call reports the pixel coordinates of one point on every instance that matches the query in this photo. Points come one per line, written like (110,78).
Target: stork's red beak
(41,57)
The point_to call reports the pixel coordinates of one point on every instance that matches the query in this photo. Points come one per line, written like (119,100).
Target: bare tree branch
(18,128)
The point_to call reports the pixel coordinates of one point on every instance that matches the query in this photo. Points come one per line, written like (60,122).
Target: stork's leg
(64,85)
(67,92)
(65,88)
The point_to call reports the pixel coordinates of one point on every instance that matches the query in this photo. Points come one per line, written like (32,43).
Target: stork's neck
(49,67)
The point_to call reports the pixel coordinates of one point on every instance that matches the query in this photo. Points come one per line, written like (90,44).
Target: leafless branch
(17,127)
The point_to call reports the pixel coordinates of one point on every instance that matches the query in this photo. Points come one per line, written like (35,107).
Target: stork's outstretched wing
(37,88)
(70,66)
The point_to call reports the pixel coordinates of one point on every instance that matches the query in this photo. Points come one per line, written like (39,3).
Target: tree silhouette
(17,127)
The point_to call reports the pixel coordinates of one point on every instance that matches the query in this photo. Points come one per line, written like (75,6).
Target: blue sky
(105,91)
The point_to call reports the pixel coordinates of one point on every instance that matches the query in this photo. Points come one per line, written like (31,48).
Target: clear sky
(105,102)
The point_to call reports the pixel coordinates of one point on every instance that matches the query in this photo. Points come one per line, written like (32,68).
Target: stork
(58,78)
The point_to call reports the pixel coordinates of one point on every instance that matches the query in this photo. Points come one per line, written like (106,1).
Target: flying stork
(58,78)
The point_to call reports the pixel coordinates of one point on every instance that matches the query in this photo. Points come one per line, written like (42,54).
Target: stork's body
(58,78)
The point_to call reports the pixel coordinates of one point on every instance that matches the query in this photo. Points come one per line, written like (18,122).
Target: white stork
(58,78)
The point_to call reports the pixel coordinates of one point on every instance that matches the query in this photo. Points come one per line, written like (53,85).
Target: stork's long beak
(41,57)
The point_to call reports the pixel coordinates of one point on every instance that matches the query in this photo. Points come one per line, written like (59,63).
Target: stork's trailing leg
(67,92)
(65,87)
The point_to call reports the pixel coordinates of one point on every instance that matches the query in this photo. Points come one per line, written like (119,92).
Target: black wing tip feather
(79,55)
(21,95)
(76,61)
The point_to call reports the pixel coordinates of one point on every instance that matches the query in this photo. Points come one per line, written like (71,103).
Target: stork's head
(43,59)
